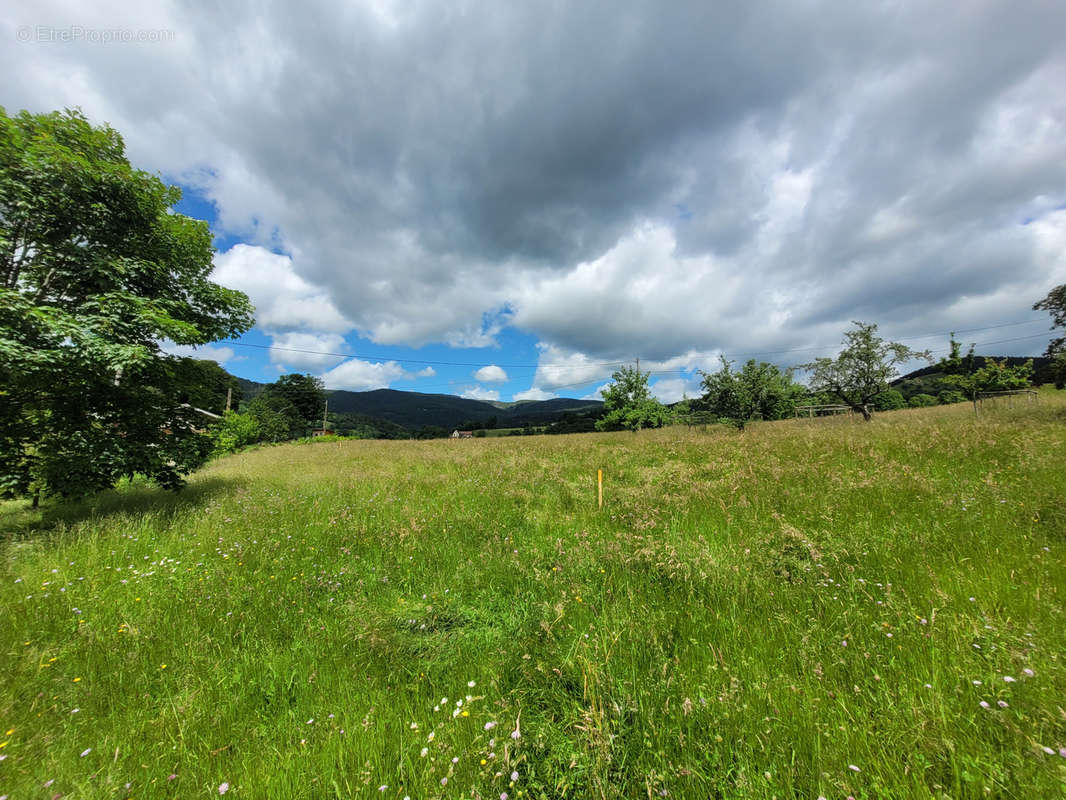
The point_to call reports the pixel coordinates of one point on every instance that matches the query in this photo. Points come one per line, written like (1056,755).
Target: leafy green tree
(95,271)
(950,396)
(233,432)
(628,404)
(890,400)
(921,400)
(276,418)
(863,370)
(1055,304)
(994,376)
(758,391)
(304,392)
(206,385)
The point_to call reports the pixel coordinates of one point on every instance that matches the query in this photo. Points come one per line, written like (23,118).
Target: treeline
(860,379)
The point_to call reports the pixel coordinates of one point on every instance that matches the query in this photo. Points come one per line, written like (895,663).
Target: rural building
(462,434)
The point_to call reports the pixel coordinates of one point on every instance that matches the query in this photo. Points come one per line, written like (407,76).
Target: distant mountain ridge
(414,410)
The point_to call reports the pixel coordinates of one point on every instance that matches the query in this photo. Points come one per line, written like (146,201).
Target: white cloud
(534,394)
(427,372)
(751,193)
(283,300)
(480,393)
(560,368)
(671,390)
(306,352)
(362,376)
(491,374)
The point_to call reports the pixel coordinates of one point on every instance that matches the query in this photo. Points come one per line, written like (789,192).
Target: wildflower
(471,684)
(490,725)
(983,704)
(455,760)
(414,725)
(311,721)
(223,788)
(383,787)
(432,736)
(1008,679)
(503,795)
(75,710)
(977,683)
(1048,750)
(86,752)
(1028,672)
(514,775)
(515,734)
(1001,703)
(466,714)
(443,781)
(76,680)
(853,768)
(425,752)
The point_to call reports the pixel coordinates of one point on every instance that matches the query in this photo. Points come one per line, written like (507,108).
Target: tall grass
(807,608)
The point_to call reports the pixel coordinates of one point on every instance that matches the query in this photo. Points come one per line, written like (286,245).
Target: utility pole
(324,413)
(638,364)
(229,397)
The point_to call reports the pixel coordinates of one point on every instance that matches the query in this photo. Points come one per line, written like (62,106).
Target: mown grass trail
(806,609)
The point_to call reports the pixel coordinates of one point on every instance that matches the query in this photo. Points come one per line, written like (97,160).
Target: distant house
(462,434)
(322,432)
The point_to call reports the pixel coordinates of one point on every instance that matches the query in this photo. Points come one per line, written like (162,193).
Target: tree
(628,404)
(994,376)
(758,391)
(1055,304)
(206,385)
(304,392)
(95,271)
(863,370)
(890,400)
(276,418)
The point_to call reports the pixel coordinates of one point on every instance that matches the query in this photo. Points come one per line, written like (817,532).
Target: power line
(399,360)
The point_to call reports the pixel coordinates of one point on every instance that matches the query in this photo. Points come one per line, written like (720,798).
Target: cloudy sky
(506,200)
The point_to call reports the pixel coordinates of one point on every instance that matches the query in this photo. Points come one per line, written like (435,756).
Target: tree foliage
(1055,304)
(862,370)
(304,393)
(758,391)
(628,404)
(96,270)
(962,372)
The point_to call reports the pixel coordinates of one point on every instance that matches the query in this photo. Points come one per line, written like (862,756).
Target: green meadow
(808,608)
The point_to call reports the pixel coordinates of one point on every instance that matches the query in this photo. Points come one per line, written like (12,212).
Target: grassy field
(809,608)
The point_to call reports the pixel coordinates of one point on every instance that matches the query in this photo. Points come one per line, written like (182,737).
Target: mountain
(414,410)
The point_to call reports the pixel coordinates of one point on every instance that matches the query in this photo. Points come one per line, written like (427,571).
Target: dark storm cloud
(620,177)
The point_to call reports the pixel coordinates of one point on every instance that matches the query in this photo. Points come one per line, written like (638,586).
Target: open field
(807,608)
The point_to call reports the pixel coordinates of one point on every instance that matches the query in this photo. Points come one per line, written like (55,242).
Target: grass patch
(750,615)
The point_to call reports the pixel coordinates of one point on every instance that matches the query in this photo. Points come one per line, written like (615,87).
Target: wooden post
(325,412)
(599,481)
(229,397)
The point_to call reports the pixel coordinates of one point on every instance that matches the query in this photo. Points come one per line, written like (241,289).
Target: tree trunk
(36,500)
(866,415)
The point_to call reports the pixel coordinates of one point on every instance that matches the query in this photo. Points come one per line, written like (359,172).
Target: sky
(509,201)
